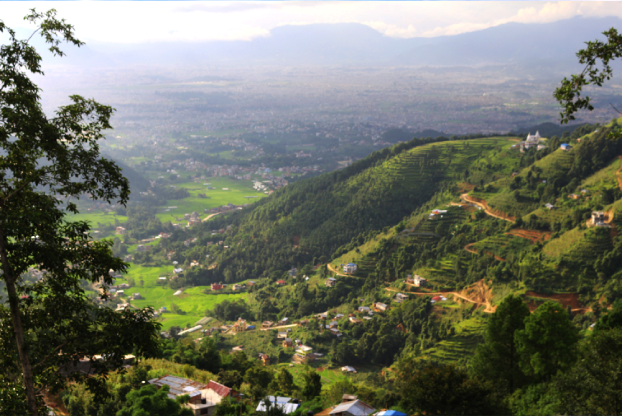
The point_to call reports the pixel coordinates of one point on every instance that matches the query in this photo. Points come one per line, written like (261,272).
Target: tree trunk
(28,378)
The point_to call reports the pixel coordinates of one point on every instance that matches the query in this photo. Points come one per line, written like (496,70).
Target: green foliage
(569,94)
(229,407)
(548,343)
(151,401)
(312,384)
(444,390)
(285,381)
(593,385)
(612,319)
(535,399)
(231,310)
(61,156)
(259,378)
(497,360)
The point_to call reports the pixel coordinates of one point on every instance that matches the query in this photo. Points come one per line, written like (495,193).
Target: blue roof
(250,327)
(351,264)
(392,413)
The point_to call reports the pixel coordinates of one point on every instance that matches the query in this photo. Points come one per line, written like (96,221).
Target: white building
(533,140)
(349,268)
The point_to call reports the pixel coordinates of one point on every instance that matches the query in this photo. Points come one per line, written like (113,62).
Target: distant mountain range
(534,46)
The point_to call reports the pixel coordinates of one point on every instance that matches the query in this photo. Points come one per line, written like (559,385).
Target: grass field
(604,178)
(95,217)
(235,192)
(192,301)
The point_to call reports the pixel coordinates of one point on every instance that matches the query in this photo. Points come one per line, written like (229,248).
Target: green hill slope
(315,217)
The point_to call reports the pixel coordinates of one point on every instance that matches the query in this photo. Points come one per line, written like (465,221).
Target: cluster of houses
(203,398)
(236,286)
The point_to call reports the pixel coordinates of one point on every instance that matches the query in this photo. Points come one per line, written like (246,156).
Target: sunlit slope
(321,214)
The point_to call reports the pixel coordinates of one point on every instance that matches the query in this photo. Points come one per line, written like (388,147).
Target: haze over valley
(313,212)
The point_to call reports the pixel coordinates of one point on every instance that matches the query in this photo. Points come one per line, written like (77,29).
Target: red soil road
(469,248)
(533,236)
(484,205)
(566,299)
(478,293)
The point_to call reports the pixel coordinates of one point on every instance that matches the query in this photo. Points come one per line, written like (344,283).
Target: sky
(144,21)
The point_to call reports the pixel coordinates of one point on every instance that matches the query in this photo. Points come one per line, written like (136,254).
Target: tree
(45,162)
(593,386)
(229,407)
(151,401)
(312,384)
(444,390)
(285,381)
(612,319)
(209,358)
(258,378)
(232,378)
(569,93)
(497,359)
(548,342)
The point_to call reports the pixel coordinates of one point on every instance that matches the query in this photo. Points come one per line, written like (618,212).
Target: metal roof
(281,402)
(179,386)
(355,408)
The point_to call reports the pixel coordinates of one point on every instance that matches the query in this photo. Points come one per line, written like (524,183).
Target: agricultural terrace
(459,347)
(502,245)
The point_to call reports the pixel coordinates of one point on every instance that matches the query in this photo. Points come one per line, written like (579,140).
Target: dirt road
(210,216)
(278,327)
(332,269)
(484,205)
(483,292)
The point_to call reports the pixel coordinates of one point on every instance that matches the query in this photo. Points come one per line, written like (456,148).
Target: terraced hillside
(327,212)
(502,246)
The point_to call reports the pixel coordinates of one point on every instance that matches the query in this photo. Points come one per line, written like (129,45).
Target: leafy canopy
(46,162)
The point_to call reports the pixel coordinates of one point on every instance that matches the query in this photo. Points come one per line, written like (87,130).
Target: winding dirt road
(478,286)
(484,205)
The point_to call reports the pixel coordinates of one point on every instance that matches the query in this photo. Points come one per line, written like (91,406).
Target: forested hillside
(313,218)
(494,233)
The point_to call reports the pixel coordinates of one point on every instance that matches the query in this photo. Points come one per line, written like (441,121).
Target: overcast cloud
(137,22)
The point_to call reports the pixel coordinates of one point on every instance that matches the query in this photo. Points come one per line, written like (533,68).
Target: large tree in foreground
(497,359)
(49,322)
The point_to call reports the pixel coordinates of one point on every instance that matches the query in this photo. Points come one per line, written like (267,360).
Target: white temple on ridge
(533,140)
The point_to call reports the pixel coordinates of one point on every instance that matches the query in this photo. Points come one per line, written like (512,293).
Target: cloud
(236,7)
(152,21)
(539,13)
(392,30)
